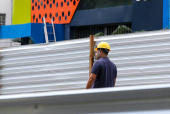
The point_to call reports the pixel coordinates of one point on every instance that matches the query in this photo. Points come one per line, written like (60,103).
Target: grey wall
(6,8)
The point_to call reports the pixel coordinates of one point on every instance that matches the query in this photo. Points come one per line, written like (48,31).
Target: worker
(104,71)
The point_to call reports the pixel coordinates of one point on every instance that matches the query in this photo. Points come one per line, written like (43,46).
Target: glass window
(94,4)
(2,19)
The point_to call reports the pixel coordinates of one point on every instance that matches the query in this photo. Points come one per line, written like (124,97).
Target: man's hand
(91,80)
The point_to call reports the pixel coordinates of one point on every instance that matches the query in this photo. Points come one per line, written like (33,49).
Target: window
(86,31)
(95,4)
(2,19)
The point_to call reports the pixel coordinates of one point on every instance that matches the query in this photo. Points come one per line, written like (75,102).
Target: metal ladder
(46,33)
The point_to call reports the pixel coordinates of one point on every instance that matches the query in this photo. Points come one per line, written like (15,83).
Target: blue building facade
(93,16)
(139,15)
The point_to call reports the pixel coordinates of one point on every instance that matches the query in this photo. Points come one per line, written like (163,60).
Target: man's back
(106,72)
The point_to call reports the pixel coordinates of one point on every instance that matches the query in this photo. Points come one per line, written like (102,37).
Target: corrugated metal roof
(131,99)
(141,59)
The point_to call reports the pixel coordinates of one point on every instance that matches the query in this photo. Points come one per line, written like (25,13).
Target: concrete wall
(8,43)
(6,8)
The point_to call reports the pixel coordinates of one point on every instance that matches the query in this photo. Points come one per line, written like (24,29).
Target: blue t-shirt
(106,72)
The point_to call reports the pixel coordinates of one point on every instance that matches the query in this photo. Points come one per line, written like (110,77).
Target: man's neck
(104,56)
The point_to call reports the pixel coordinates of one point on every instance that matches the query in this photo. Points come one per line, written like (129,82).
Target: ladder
(46,32)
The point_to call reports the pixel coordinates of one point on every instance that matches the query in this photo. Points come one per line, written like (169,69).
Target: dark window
(2,19)
(26,41)
(86,31)
(94,4)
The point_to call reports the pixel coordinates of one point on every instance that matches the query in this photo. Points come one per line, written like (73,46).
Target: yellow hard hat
(103,45)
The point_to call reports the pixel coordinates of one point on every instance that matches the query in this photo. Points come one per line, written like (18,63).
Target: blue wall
(33,30)
(15,31)
(169,13)
(147,15)
(166,14)
(37,32)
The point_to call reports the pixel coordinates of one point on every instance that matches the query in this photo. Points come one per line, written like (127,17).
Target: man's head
(102,50)
(101,53)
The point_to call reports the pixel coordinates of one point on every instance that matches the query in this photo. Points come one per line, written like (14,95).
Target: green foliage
(141,31)
(122,29)
(99,34)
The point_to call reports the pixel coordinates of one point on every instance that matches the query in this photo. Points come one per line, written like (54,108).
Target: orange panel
(61,11)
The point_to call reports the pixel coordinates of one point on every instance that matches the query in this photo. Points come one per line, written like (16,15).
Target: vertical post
(45,31)
(91,57)
(53,30)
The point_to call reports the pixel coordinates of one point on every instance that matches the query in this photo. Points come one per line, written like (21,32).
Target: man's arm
(115,76)
(91,80)
(114,81)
